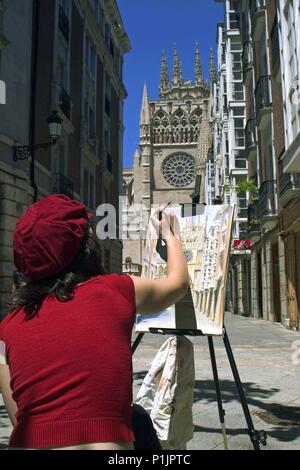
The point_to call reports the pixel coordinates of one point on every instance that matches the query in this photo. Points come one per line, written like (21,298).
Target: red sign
(241,244)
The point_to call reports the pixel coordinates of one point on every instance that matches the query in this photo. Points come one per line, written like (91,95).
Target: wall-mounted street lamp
(23,152)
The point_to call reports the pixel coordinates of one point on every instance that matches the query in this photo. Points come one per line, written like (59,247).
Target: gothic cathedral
(175,143)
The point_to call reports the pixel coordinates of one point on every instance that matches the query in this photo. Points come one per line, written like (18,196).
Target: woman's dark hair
(30,295)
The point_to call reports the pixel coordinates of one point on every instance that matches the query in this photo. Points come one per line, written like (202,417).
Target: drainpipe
(33,80)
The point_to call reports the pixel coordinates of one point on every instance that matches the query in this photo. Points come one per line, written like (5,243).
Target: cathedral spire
(198,68)
(177,69)
(164,76)
(212,66)
(145,111)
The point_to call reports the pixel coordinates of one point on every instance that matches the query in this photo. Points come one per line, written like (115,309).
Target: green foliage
(246,185)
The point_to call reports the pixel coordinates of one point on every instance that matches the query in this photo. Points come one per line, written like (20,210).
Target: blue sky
(153,25)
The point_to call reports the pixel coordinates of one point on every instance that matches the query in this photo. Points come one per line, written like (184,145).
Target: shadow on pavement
(284,419)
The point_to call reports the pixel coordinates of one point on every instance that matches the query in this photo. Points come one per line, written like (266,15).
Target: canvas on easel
(206,239)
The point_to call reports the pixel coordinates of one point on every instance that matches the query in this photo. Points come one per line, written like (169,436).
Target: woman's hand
(166,224)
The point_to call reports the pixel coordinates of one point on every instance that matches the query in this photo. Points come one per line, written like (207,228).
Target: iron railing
(263,93)
(247,55)
(256,6)
(253,219)
(287,181)
(250,134)
(267,203)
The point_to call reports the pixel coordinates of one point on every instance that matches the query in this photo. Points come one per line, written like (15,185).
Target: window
(237,91)
(239,133)
(88,188)
(238,112)
(234,20)
(236,61)
(292,72)
(237,75)
(235,44)
(90,55)
(99,15)
(91,123)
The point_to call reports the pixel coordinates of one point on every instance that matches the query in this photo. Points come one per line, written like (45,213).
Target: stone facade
(175,142)
(74,50)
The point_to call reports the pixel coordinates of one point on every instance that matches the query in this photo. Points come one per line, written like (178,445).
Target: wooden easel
(257,437)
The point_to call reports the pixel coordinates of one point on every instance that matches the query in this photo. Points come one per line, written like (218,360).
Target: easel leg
(137,341)
(218,390)
(257,437)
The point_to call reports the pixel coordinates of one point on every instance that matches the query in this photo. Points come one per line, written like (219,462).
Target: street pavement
(269,365)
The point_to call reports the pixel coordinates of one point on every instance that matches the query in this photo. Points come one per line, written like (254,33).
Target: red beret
(48,236)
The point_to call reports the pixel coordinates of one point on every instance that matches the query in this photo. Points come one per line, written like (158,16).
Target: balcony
(289,185)
(65,103)
(275,50)
(250,138)
(291,157)
(257,12)
(64,24)
(63,185)
(254,228)
(263,101)
(247,57)
(267,204)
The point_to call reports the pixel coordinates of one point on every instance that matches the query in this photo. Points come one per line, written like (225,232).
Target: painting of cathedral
(206,241)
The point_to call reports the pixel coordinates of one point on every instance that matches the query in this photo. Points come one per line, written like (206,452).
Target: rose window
(179,170)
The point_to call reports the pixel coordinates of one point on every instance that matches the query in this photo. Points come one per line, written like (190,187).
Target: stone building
(175,142)
(264,145)
(64,56)
(286,56)
(269,31)
(227,170)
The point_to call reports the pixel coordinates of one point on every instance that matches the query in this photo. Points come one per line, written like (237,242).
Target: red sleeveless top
(71,366)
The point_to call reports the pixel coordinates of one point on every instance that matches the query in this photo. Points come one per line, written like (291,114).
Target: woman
(68,379)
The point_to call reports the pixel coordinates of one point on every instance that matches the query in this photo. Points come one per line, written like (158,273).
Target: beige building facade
(175,142)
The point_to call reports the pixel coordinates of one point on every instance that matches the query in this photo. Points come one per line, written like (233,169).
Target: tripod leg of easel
(137,341)
(218,390)
(257,437)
